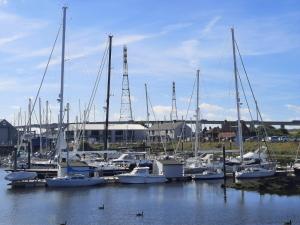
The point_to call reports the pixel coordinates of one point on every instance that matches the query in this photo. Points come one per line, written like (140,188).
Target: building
(117,133)
(170,131)
(8,134)
(229,130)
(168,167)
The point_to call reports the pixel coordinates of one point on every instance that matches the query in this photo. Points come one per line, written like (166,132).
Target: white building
(94,132)
(169,131)
(169,167)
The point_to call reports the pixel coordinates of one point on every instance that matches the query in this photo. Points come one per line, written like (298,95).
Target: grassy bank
(283,152)
(281,185)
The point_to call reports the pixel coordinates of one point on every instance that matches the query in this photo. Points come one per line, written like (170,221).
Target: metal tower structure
(174,115)
(126,110)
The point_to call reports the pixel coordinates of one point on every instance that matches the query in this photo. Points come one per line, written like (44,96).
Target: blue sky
(167,41)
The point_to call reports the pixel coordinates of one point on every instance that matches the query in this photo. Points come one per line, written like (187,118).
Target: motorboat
(296,167)
(110,169)
(132,159)
(20,175)
(140,175)
(76,180)
(199,164)
(254,172)
(209,175)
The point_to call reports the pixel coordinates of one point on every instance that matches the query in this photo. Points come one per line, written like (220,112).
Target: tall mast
(40,115)
(147,107)
(238,103)
(61,94)
(108,94)
(29,116)
(197,117)
(174,115)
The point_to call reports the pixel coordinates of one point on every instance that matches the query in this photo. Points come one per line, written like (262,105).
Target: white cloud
(3,2)
(6,40)
(210,25)
(294,108)
(162,111)
(127,39)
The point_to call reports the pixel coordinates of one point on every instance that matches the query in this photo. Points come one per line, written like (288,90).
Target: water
(172,203)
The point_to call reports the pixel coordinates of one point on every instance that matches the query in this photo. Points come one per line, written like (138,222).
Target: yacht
(209,175)
(76,180)
(20,175)
(132,158)
(254,172)
(71,173)
(140,175)
(296,167)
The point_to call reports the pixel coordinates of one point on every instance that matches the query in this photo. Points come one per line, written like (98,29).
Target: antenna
(174,115)
(126,110)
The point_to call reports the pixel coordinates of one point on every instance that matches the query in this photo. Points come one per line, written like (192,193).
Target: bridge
(252,123)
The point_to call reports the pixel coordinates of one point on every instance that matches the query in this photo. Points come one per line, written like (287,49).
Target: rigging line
(242,86)
(99,75)
(187,112)
(60,130)
(94,91)
(152,109)
(253,96)
(44,74)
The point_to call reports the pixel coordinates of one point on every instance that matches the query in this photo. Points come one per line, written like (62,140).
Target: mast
(29,132)
(238,103)
(197,117)
(146,91)
(108,94)
(40,112)
(47,123)
(61,94)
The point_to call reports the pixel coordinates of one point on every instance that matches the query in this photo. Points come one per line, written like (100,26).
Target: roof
(94,126)
(5,123)
(170,162)
(166,126)
(227,134)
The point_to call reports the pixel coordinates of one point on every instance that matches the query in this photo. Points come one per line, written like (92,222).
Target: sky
(167,41)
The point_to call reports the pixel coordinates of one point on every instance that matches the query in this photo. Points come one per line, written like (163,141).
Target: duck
(101,207)
(65,223)
(140,214)
(288,222)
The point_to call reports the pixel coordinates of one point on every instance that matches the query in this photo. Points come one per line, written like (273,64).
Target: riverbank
(279,185)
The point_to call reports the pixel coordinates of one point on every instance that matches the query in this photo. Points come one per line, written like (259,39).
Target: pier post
(224,165)
(29,154)
(15,159)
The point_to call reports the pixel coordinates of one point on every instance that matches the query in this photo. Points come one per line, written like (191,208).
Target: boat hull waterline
(20,175)
(71,182)
(134,179)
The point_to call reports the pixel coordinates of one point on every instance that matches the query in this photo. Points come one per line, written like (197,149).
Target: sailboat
(68,176)
(199,166)
(252,171)
(296,165)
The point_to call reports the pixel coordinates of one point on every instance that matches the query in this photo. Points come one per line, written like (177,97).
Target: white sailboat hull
(20,175)
(213,176)
(71,182)
(135,179)
(254,174)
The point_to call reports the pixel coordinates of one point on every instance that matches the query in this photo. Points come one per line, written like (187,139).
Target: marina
(189,201)
(155,123)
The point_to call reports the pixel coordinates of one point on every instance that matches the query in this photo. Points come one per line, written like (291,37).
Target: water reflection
(194,202)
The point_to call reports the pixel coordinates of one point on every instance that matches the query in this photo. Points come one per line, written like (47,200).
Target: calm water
(173,203)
